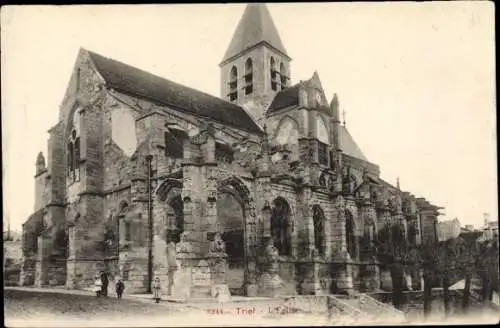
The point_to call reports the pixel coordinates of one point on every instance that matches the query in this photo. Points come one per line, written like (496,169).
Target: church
(259,192)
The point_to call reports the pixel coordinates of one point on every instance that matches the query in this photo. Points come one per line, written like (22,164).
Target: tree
(487,269)
(392,253)
(429,259)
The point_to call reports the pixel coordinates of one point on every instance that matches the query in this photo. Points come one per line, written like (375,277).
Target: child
(156,289)
(97,285)
(119,288)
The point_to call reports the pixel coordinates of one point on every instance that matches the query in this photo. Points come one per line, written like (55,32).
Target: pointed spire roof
(256,26)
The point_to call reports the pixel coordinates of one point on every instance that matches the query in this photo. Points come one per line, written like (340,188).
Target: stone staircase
(372,308)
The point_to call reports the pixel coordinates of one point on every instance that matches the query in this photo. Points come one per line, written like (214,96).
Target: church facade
(261,192)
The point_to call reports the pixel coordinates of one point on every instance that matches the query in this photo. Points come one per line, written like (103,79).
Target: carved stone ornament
(183,246)
(271,252)
(217,245)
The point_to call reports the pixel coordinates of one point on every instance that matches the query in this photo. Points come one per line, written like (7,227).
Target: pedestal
(182,276)
(27,275)
(311,284)
(344,281)
(218,276)
(373,276)
(270,283)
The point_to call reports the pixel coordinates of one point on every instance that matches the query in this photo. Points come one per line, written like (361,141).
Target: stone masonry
(140,165)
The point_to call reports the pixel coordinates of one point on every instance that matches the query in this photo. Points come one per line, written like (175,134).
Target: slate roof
(255,26)
(348,145)
(136,82)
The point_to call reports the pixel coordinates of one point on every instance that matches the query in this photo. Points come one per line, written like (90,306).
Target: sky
(416,80)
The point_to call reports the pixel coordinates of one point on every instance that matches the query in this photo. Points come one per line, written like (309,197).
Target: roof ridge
(141,83)
(161,77)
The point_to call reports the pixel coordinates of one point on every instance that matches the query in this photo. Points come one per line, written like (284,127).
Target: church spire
(256,27)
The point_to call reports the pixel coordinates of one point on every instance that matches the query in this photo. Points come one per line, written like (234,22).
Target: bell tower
(256,65)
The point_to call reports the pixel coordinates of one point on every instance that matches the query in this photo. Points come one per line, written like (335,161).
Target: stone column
(305,225)
(251,244)
(373,267)
(373,277)
(42,261)
(342,260)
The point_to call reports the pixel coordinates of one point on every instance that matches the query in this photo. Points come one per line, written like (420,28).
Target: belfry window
(283,77)
(248,76)
(233,84)
(274,75)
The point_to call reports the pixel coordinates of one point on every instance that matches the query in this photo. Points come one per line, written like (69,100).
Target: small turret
(40,163)
(334,107)
(40,176)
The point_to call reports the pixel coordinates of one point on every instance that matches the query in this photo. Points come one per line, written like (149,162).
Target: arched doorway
(231,225)
(170,223)
(175,219)
(281,228)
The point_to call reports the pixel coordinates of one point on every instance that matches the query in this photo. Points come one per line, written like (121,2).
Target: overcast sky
(416,81)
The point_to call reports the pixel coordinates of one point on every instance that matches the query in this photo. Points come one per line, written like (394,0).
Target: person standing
(120,287)
(156,289)
(105,282)
(97,285)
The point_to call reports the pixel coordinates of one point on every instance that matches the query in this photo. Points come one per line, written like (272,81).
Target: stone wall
(413,302)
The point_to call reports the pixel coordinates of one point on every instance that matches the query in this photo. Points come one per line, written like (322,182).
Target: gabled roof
(136,82)
(256,26)
(285,98)
(348,145)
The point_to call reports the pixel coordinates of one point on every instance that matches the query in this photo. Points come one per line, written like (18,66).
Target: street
(47,309)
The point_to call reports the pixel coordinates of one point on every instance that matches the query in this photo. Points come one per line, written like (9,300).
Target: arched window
(368,240)
(273,71)
(248,76)
(319,229)
(412,233)
(283,76)
(70,158)
(233,84)
(73,149)
(349,232)
(281,229)
(128,231)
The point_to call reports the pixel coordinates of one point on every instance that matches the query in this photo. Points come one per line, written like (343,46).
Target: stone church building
(261,191)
